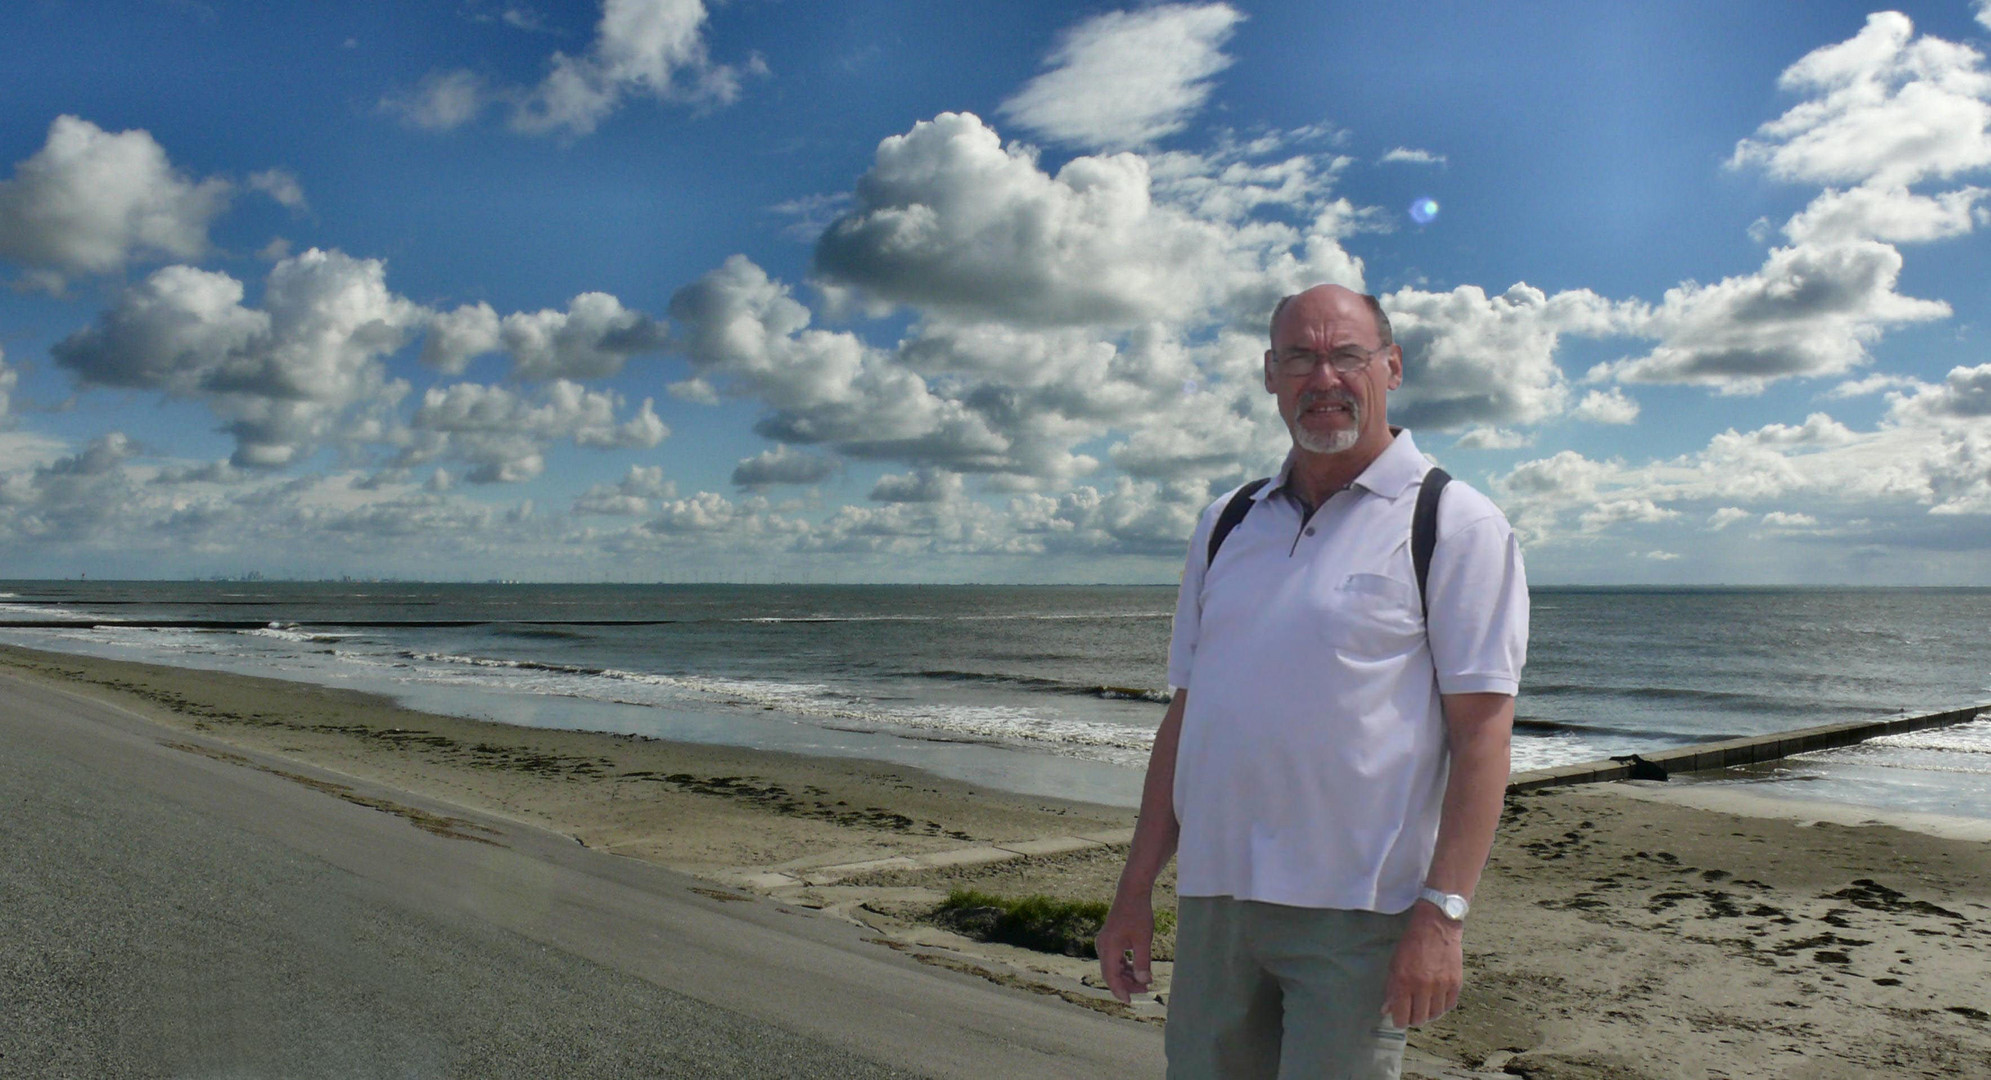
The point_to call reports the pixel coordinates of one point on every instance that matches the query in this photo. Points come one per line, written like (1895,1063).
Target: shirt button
(1310,530)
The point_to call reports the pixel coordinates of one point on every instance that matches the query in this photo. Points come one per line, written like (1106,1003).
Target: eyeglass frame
(1279,365)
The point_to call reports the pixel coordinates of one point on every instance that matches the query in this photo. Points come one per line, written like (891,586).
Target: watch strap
(1452,905)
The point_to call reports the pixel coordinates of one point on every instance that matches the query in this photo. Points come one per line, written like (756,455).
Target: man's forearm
(1480,728)
(1156,832)
(1428,968)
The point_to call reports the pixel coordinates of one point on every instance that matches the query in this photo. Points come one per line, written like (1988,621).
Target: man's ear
(1396,365)
(1268,373)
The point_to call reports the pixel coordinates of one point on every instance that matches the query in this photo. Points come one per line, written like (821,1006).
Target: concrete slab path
(173,907)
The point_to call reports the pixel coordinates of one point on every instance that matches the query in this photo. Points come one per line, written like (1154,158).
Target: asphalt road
(168,914)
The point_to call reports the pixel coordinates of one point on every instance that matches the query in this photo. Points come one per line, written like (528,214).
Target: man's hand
(1130,925)
(1427,970)
(1129,928)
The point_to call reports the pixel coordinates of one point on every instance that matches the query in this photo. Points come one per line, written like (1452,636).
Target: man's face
(1330,412)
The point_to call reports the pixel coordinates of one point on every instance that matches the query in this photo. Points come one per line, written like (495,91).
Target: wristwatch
(1452,904)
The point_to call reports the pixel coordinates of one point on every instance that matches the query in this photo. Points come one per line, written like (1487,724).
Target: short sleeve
(1189,600)
(1478,593)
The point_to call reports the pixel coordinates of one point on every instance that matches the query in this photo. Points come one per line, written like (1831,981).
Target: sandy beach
(1621,931)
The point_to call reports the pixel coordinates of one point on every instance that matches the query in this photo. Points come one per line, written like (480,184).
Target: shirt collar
(1395,469)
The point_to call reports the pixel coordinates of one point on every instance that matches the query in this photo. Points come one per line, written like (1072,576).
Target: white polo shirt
(1313,757)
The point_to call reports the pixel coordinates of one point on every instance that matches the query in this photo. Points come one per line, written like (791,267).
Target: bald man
(1331,767)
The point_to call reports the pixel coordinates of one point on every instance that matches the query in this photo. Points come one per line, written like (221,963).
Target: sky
(772,291)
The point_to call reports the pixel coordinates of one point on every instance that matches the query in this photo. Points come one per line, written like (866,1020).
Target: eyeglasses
(1346,360)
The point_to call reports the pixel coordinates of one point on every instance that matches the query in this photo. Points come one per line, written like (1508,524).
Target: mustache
(1311,398)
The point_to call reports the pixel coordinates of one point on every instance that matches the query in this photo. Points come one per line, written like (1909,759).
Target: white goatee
(1316,442)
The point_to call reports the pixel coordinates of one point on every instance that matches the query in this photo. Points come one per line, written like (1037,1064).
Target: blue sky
(773,291)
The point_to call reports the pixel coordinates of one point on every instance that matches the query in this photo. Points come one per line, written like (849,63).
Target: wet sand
(1614,935)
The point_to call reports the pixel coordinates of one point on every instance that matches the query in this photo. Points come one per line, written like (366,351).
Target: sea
(1056,690)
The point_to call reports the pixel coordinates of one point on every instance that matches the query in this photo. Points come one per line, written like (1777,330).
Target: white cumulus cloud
(1957,470)
(654,48)
(1404,155)
(1892,215)
(91,201)
(923,486)
(281,185)
(1810,311)
(712,518)
(441,101)
(744,329)
(1145,517)
(1726,516)
(782,465)
(1609,512)
(73,498)
(171,331)
(1899,485)
(1872,384)
(933,527)
(592,339)
(1204,435)
(1964,393)
(504,434)
(1470,358)
(631,497)
(1884,107)
(1127,78)
(306,366)
(951,221)
(459,336)
(1607,407)
(1233,180)
(303,367)
(1492,438)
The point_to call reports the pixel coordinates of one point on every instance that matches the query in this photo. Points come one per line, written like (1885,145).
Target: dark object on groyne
(1721,755)
(1641,769)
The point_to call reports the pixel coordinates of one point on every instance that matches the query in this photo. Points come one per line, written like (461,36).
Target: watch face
(1452,904)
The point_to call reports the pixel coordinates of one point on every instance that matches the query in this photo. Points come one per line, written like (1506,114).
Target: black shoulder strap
(1424,530)
(1423,524)
(1234,512)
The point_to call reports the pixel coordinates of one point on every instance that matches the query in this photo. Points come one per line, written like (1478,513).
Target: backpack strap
(1424,530)
(1234,512)
(1423,525)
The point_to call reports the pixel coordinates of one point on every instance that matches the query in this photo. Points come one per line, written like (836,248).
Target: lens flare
(1424,210)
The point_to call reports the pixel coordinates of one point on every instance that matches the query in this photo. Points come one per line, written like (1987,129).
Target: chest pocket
(1371,616)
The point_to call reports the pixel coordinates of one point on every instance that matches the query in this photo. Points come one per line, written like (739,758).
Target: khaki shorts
(1265,990)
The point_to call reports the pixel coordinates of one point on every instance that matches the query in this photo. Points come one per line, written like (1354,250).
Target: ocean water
(1054,690)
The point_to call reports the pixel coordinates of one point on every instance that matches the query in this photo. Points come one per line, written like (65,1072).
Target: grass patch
(1031,922)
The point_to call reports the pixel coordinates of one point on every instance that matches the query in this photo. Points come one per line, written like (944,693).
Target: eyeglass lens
(1346,361)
